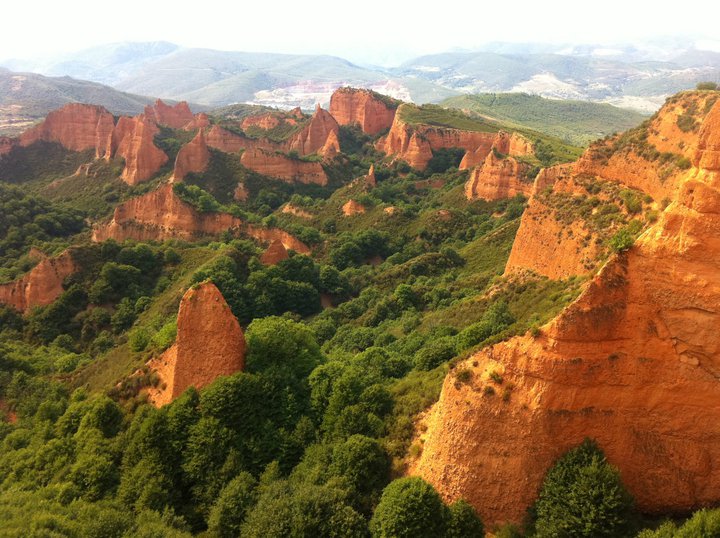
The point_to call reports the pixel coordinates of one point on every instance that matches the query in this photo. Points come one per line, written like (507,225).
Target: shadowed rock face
(634,363)
(210,344)
(350,106)
(313,137)
(41,286)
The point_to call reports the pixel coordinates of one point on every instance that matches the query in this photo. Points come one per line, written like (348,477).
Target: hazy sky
(360,30)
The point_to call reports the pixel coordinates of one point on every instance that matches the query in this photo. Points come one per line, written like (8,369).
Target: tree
(582,495)
(363,462)
(235,500)
(409,507)
(464,521)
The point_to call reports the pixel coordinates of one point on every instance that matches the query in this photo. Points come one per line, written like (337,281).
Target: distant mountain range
(27,97)
(627,76)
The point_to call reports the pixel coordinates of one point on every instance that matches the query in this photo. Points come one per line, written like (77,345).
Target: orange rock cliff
(277,165)
(161,214)
(177,116)
(415,143)
(210,343)
(370,111)
(498,178)
(41,285)
(633,363)
(193,157)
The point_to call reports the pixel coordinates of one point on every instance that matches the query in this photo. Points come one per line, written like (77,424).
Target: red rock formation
(331,147)
(350,106)
(370,180)
(632,363)
(241,194)
(210,344)
(268,235)
(199,121)
(177,116)
(498,178)
(296,211)
(76,127)
(41,286)
(133,138)
(7,144)
(313,137)
(277,165)
(275,253)
(193,157)
(160,215)
(351,207)
(225,140)
(262,121)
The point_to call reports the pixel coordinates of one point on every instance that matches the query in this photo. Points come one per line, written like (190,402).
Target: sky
(364,31)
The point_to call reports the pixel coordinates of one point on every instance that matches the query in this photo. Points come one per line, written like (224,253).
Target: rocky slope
(275,253)
(176,117)
(370,111)
(633,363)
(209,344)
(41,285)
(313,137)
(277,165)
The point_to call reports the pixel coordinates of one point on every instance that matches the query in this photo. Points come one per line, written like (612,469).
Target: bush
(464,521)
(435,353)
(582,495)
(409,507)
(707,86)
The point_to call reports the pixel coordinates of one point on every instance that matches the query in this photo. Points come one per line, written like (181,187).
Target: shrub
(409,507)
(435,353)
(582,495)
(707,86)
(464,521)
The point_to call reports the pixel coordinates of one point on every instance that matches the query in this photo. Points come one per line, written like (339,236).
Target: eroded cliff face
(193,157)
(176,117)
(76,127)
(353,207)
(41,285)
(498,178)
(277,165)
(415,143)
(275,253)
(633,363)
(313,137)
(210,343)
(350,106)
(161,214)
(134,138)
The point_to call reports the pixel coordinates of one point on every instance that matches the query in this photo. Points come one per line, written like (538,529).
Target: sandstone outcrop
(176,117)
(241,193)
(160,215)
(370,111)
(41,285)
(199,121)
(134,139)
(370,180)
(296,211)
(331,147)
(498,178)
(275,253)
(353,207)
(262,121)
(193,157)
(313,137)
(632,363)
(76,127)
(277,165)
(210,343)
(226,141)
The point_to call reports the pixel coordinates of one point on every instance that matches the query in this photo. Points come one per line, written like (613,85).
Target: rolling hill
(27,97)
(576,122)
